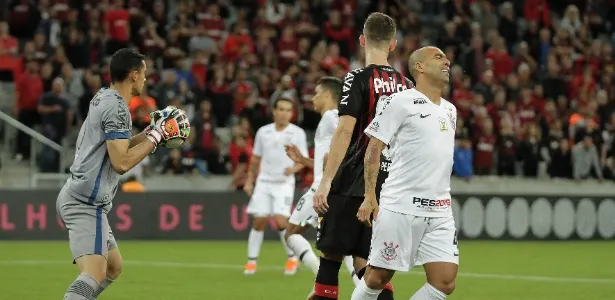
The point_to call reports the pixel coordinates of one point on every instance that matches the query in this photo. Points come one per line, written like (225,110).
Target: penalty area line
(217,266)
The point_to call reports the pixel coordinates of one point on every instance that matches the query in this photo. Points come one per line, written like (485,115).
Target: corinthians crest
(389,252)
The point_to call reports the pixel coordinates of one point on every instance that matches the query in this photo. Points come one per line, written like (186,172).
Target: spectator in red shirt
(485,146)
(287,47)
(527,107)
(334,59)
(117,26)
(28,92)
(338,33)
(502,62)
(204,140)
(582,86)
(240,152)
(212,23)
(8,49)
(537,11)
(239,37)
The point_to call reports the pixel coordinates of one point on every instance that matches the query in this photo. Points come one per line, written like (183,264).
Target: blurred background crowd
(532,80)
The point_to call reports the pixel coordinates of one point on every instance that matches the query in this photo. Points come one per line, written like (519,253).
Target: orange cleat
(250,268)
(292,265)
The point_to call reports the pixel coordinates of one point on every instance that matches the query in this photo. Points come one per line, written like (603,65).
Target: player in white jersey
(272,195)
(414,224)
(328,93)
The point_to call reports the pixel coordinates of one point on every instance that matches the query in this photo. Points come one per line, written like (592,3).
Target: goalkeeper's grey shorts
(88,227)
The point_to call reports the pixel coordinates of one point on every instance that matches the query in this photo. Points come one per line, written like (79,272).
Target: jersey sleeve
(302,143)
(384,126)
(331,121)
(352,96)
(258,144)
(115,118)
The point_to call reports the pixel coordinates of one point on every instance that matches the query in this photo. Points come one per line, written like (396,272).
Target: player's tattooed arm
(339,146)
(372,166)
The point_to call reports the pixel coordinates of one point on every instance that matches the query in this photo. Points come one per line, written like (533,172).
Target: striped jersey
(364,93)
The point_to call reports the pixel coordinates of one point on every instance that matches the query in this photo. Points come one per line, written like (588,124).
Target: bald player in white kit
(414,224)
(105,150)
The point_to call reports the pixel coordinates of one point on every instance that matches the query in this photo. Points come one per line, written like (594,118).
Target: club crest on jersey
(443,126)
(374,126)
(389,252)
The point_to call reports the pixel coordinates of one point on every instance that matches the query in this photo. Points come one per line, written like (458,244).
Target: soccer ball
(182,120)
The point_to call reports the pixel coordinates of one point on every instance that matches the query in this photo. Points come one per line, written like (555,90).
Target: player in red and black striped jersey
(342,190)
(364,93)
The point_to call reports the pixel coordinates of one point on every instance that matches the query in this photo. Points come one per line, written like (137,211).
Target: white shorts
(269,199)
(400,241)
(304,213)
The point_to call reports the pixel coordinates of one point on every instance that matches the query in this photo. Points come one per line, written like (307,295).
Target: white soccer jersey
(322,141)
(421,139)
(269,146)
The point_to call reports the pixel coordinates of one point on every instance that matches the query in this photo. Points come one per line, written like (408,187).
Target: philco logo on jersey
(431,203)
(390,86)
(419,101)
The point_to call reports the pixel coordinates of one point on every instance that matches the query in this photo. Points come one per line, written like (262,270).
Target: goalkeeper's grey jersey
(92,179)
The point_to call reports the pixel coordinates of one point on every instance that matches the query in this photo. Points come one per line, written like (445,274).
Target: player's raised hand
(368,208)
(320,198)
(293,153)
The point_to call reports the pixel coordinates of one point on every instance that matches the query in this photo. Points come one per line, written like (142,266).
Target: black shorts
(340,232)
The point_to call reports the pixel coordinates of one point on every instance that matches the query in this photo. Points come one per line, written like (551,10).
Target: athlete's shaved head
(418,56)
(430,61)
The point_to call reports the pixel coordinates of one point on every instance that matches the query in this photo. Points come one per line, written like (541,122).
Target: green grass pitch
(489,270)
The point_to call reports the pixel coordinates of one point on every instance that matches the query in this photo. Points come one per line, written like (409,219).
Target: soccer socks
(428,292)
(255,241)
(386,293)
(288,250)
(82,288)
(363,292)
(301,246)
(349,262)
(102,287)
(327,281)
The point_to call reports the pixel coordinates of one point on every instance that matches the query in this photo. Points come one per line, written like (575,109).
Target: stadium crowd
(532,80)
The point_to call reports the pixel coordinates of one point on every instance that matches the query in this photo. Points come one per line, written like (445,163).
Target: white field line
(280,268)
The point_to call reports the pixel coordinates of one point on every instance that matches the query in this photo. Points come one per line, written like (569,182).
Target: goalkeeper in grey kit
(106,150)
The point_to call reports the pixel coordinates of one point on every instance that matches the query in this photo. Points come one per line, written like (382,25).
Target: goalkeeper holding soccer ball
(104,151)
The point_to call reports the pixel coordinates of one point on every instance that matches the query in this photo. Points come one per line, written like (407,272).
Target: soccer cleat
(292,264)
(250,268)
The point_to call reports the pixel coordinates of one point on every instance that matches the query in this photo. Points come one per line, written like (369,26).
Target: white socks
(288,250)
(349,262)
(255,241)
(300,246)
(427,292)
(363,292)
